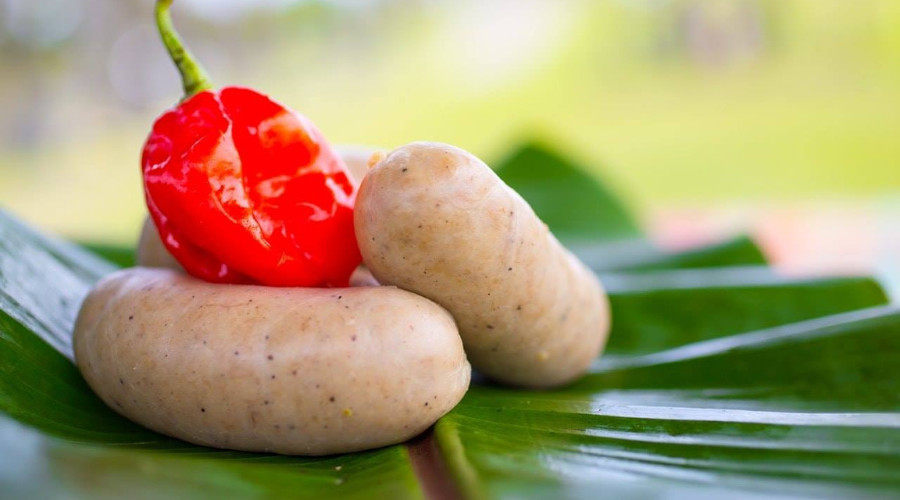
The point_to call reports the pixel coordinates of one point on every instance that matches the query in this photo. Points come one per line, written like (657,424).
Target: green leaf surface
(665,309)
(640,255)
(575,205)
(808,409)
(61,441)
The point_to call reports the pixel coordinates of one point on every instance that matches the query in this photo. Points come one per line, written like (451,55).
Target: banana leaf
(665,309)
(809,409)
(719,382)
(639,255)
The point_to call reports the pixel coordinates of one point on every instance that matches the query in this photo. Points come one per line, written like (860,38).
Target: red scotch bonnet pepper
(244,190)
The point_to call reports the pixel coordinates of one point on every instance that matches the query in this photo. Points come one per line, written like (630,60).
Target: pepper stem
(193,76)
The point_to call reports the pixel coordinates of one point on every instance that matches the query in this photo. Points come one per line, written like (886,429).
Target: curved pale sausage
(287,370)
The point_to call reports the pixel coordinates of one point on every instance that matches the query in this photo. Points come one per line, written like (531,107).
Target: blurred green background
(678,102)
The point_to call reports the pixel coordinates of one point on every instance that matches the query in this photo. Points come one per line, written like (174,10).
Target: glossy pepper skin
(244,190)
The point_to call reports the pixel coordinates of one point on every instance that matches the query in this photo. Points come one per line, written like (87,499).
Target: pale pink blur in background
(800,238)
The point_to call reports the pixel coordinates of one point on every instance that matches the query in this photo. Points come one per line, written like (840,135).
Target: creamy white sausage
(435,220)
(286,370)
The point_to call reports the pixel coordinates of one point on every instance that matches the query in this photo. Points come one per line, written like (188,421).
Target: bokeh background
(781,117)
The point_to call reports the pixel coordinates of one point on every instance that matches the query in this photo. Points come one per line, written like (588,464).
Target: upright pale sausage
(435,220)
(287,370)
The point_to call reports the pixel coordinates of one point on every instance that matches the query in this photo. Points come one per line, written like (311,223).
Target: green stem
(193,76)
